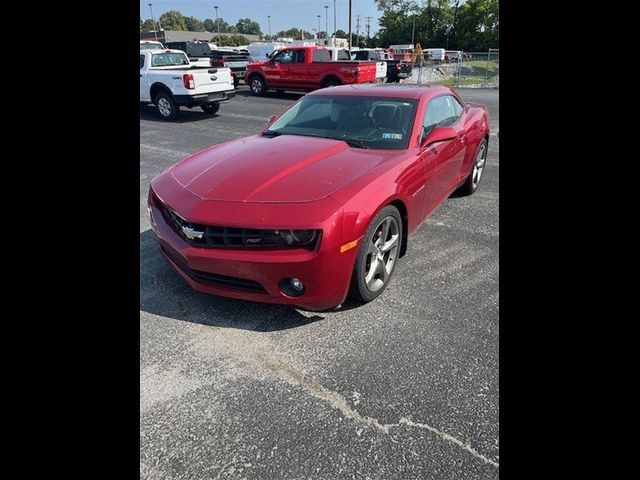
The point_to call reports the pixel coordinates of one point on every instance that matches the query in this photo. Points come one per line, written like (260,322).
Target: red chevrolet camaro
(319,204)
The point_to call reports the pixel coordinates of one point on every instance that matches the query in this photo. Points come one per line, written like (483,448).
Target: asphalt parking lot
(403,387)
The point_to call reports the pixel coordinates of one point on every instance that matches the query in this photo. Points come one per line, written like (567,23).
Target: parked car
(395,69)
(402,52)
(321,202)
(259,52)
(305,68)
(201,53)
(150,45)
(342,54)
(167,80)
(437,54)
(453,55)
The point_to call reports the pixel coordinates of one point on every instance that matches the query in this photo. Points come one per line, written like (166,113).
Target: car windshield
(364,122)
(150,46)
(169,60)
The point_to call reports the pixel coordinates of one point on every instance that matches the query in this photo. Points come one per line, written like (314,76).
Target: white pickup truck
(341,54)
(168,80)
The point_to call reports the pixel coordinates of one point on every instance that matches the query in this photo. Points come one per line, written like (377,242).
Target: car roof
(162,50)
(407,90)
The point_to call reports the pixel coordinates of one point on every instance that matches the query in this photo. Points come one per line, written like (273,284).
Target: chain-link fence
(464,69)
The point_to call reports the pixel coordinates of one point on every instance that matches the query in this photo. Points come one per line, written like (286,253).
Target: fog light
(292,287)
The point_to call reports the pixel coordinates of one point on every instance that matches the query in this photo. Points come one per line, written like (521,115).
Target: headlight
(298,237)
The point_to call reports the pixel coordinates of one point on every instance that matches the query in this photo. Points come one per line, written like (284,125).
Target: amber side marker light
(348,246)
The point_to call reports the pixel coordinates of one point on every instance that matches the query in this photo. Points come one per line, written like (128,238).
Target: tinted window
(362,55)
(299,57)
(169,60)
(440,111)
(286,56)
(321,56)
(343,55)
(141,61)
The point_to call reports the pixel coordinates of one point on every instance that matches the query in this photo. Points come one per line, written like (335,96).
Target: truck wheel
(332,82)
(165,106)
(210,108)
(257,86)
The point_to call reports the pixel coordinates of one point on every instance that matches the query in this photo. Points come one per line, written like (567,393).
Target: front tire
(166,107)
(257,86)
(470,185)
(377,255)
(210,108)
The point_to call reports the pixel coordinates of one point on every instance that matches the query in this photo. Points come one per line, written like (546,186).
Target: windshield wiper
(349,141)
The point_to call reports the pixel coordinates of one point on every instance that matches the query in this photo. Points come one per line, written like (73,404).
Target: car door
(298,68)
(144,88)
(276,70)
(442,161)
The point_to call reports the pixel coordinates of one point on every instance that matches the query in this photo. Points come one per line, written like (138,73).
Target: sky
(284,13)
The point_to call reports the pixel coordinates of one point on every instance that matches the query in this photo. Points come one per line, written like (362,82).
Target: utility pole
(218,22)
(269,20)
(155,34)
(357,30)
(368,31)
(349,27)
(413,30)
(318,31)
(326,25)
(455,16)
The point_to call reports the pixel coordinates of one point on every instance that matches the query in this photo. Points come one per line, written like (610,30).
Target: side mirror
(439,134)
(272,119)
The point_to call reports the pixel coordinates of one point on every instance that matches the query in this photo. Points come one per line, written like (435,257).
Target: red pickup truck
(305,68)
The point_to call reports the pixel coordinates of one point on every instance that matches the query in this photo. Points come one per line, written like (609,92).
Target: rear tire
(332,82)
(377,256)
(210,108)
(257,86)
(165,106)
(470,185)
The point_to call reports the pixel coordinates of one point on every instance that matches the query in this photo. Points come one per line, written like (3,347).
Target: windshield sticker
(392,136)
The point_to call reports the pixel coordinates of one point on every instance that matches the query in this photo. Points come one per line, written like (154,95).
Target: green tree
(208,25)
(194,24)
(173,20)
(147,25)
(341,34)
(248,26)
(230,40)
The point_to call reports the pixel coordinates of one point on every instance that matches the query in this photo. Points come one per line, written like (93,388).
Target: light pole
(334,22)
(318,26)
(349,27)
(155,33)
(269,20)
(218,22)
(326,24)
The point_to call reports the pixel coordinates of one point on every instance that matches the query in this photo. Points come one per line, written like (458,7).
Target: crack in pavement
(338,402)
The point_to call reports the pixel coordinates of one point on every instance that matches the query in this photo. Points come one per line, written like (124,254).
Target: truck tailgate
(212,80)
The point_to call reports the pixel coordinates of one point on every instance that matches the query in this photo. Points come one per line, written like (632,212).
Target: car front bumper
(256,275)
(204,98)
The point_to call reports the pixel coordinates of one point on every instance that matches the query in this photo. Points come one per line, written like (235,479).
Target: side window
(440,111)
(321,56)
(141,61)
(457,107)
(299,57)
(343,55)
(285,56)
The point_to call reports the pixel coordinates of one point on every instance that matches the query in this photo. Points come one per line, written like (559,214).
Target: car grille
(215,279)
(224,237)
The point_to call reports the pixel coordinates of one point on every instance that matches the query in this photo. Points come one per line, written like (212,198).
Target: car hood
(283,169)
